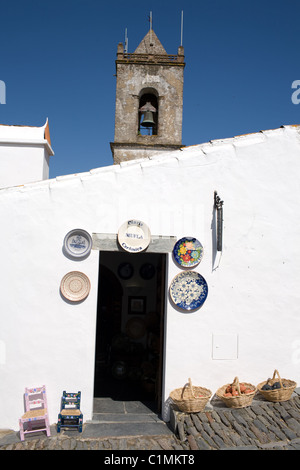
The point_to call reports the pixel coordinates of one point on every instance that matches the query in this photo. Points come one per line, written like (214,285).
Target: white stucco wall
(253,298)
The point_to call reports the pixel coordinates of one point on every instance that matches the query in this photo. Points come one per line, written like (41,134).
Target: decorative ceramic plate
(135,328)
(75,286)
(188,290)
(78,243)
(125,270)
(188,252)
(134,236)
(147,271)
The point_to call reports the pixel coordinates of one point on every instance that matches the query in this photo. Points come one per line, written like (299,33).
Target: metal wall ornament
(188,290)
(77,243)
(75,286)
(188,252)
(134,236)
(218,205)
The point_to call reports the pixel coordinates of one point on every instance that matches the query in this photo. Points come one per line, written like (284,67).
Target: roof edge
(138,162)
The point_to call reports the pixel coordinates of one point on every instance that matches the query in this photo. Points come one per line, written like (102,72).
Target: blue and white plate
(188,290)
(78,243)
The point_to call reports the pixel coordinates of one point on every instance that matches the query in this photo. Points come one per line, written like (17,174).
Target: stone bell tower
(149,100)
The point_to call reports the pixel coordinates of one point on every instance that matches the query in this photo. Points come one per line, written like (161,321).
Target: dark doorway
(130,327)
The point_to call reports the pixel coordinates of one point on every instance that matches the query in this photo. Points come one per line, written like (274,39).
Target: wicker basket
(187,398)
(239,401)
(280,394)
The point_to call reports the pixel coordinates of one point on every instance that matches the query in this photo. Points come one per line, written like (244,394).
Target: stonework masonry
(148,70)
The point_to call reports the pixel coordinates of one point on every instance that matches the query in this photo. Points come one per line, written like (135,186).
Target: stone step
(125,429)
(108,405)
(125,418)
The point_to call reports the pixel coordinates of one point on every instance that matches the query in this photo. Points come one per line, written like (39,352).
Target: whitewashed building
(125,336)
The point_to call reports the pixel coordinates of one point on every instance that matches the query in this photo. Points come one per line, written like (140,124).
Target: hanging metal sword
(218,204)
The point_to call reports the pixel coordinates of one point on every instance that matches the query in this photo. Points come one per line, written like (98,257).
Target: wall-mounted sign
(134,236)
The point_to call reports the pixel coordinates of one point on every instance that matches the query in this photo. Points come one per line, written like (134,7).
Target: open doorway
(130,327)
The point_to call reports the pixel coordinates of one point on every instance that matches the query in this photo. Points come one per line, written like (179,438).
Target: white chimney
(24,154)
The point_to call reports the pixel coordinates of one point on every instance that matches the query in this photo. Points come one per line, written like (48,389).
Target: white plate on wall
(78,243)
(75,286)
(134,236)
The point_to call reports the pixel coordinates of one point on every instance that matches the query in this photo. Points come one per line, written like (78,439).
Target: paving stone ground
(261,426)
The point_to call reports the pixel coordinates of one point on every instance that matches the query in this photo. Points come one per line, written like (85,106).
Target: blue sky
(57,60)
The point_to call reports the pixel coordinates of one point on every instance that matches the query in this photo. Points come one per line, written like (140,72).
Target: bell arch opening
(148,112)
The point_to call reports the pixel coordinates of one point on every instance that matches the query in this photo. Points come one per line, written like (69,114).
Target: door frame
(159,245)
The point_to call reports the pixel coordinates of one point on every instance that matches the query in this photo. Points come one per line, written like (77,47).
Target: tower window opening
(148,115)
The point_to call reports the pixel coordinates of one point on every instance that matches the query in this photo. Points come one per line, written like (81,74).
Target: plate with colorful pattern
(188,252)
(188,290)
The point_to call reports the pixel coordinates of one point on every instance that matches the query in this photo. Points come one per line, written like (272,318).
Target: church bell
(148,110)
(148,120)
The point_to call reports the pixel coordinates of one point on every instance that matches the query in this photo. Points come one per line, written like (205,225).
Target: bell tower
(149,100)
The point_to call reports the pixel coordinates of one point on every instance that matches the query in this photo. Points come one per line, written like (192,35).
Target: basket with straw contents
(190,399)
(276,389)
(237,394)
